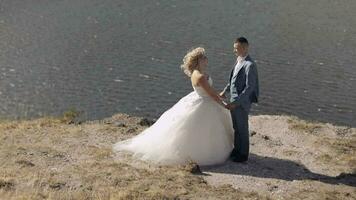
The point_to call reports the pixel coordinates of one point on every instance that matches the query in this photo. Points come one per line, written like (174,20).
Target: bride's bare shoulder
(197,77)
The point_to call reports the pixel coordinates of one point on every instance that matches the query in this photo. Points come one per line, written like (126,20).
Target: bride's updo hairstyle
(191,60)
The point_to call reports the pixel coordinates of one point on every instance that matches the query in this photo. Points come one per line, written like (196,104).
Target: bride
(197,128)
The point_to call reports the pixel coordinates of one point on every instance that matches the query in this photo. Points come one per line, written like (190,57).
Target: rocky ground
(58,158)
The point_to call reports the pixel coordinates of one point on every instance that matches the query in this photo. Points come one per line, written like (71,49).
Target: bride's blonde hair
(191,60)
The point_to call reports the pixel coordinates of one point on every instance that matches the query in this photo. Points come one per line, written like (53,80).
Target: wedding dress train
(195,129)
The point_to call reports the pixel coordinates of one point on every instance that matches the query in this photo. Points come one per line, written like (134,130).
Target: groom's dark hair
(241,40)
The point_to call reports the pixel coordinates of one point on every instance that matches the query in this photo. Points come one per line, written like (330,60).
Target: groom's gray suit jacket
(243,86)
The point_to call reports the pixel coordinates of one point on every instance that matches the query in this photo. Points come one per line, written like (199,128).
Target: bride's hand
(222,95)
(230,106)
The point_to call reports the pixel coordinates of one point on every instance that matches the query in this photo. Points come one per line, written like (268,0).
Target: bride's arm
(203,82)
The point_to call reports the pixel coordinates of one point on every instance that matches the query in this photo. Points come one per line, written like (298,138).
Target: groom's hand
(230,106)
(222,95)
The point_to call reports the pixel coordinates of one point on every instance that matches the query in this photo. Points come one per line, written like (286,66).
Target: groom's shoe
(240,159)
(233,154)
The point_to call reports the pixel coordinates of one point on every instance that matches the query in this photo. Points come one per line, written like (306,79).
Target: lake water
(103,57)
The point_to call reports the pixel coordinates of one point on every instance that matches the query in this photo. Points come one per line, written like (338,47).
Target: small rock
(90,188)
(196,170)
(265,137)
(146,122)
(193,168)
(131,130)
(253,133)
(120,124)
(272,188)
(58,155)
(57,186)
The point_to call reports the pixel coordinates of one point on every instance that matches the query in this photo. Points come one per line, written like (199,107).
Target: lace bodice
(200,91)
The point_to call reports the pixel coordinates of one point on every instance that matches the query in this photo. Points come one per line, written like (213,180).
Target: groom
(244,90)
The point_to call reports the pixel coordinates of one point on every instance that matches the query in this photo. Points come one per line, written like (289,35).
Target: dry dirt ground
(293,159)
(50,158)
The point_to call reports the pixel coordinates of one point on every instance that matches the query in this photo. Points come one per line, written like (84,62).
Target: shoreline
(77,116)
(61,157)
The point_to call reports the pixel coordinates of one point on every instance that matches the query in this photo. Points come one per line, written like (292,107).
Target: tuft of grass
(70,116)
(6,185)
(303,126)
(290,152)
(100,152)
(344,149)
(326,158)
(344,145)
(25,163)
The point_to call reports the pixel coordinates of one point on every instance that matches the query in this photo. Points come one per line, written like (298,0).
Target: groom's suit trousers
(241,139)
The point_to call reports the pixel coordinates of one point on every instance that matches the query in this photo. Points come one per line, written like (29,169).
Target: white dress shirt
(238,65)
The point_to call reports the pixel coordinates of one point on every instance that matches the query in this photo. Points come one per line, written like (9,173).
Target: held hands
(222,95)
(230,106)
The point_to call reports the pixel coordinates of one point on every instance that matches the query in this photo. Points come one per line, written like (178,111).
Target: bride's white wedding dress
(195,129)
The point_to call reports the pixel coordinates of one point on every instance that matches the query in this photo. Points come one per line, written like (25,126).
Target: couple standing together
(202,127)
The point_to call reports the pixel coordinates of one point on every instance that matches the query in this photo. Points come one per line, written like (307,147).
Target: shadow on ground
(269,167)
